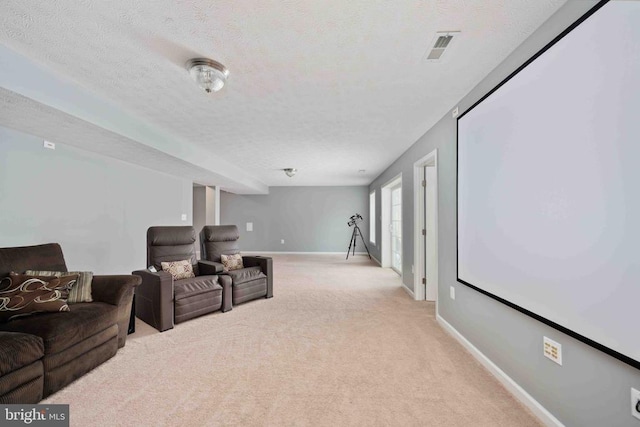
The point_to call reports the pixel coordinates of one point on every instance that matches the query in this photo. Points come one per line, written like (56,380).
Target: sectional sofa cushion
(60,332)
(18,350)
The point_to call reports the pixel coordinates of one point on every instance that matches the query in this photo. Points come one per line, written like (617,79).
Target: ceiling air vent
(441,43)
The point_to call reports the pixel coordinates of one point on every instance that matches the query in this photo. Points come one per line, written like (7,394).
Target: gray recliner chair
(253,281)
(162,301)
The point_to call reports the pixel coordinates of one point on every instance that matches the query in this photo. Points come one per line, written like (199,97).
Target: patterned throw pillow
(178,269)
(231,262)
(22,295)
(80,291)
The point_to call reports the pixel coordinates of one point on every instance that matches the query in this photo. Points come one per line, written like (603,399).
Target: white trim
(430,159)
(376,260)
(393,181)
(513,387)
(409,291)
(372,220)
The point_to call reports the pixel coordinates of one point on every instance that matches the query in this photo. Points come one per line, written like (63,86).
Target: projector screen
(548,197)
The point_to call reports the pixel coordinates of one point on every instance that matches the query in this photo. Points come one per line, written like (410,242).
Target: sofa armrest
(118,291)
(154,299)
(266,265)
(208,268)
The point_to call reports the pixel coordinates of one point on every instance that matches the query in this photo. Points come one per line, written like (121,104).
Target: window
(396,228)
(372,217)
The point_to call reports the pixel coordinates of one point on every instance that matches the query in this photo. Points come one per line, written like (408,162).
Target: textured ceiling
(327,87)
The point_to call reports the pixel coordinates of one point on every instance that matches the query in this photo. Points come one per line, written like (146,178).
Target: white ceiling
(328,87)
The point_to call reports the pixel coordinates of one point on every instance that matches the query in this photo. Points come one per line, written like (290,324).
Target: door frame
(419,261)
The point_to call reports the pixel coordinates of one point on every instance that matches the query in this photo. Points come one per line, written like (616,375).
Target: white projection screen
(548,196)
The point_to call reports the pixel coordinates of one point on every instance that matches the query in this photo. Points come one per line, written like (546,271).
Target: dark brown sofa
(162,301)
(42,353)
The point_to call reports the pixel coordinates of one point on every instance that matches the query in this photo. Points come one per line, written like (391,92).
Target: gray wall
(96,207)
(591,388)
(309,219)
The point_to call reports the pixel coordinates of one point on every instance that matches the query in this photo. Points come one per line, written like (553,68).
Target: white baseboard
(376,260)
(409,291)
(514,388)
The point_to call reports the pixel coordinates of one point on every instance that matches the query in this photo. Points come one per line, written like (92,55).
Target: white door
(395,228)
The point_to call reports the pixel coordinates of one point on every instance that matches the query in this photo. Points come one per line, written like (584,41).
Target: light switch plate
(452,292)
(249,226)
(184,217)
(48,144)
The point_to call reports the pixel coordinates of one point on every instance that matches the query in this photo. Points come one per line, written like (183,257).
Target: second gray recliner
(253,281)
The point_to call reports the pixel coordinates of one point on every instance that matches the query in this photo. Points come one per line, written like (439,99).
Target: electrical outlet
(184,217)
(452,292)
(552,350)
(282,241)
(635,403)
(49,145)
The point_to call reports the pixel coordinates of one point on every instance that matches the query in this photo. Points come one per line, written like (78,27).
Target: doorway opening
(425,174)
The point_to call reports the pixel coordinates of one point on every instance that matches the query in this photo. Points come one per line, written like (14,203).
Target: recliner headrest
(171,236)
(220,233)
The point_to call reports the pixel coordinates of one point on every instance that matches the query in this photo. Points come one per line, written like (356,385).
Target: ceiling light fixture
(210,75)
(290,171)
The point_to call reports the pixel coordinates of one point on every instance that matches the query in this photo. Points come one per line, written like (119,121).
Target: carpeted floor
(340,344)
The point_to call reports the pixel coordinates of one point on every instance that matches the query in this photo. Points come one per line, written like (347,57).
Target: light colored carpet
(340,344)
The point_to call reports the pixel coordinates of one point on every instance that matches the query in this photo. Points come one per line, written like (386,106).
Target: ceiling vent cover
(441,42)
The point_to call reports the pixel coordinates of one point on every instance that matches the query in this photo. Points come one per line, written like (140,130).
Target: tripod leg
(354,241)
(351,242)
(363,242)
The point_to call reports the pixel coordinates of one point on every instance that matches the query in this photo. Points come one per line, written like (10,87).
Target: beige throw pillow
(231,262)
(80,291)
(178,269)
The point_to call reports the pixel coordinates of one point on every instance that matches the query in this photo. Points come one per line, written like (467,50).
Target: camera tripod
(356,232)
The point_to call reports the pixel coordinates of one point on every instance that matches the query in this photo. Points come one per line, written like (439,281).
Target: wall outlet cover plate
(552,350)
